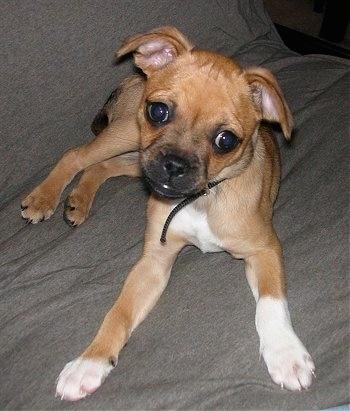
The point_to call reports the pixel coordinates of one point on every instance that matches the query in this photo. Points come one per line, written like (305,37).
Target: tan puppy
(194,125)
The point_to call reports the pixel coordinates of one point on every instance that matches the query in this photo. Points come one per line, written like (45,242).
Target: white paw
(289,364)
(81,377)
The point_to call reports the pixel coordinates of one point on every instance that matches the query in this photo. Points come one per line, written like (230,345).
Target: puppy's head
(200,112)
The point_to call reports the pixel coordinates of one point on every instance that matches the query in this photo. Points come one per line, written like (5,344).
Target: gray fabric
(198,349)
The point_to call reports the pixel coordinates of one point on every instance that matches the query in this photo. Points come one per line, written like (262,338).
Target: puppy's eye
(225,141)
(158,113)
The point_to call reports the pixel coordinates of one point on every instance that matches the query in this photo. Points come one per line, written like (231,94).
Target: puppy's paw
(289,364)
(287,360)
(81,377)
(39,205)
(76,209)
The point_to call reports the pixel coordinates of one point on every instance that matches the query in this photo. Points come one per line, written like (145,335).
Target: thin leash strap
(183,204)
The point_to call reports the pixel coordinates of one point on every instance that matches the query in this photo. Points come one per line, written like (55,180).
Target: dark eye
(158,113)
(225,141)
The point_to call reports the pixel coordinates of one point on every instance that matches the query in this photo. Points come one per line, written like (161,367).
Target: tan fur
(209,90)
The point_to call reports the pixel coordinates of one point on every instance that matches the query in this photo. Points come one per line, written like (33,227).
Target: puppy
(192,126)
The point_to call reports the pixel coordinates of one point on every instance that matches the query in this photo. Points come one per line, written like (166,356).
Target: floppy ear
(156,48)
(269,99)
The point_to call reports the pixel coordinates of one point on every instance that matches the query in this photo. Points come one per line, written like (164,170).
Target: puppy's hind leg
(120,136)
(78,203)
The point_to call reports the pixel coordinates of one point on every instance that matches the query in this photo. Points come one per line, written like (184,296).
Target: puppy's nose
(175,166)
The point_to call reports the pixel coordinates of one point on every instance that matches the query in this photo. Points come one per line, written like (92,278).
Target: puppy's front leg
(287,360)
(141,291)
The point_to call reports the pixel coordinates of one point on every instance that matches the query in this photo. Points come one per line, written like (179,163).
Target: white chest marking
(193,224)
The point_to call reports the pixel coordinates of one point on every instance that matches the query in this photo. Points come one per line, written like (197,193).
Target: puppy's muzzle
(172,175)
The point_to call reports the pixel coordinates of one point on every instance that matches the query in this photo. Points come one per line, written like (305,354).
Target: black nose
(174,166)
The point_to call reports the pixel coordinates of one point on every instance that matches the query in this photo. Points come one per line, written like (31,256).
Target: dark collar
(183,204)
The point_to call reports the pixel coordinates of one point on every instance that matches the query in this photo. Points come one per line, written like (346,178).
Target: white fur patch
(194,226)
(81,377)
(287,360)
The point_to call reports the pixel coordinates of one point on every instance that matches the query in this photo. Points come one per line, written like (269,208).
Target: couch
(198,349)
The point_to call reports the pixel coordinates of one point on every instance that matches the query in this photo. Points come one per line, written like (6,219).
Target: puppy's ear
(156,48)
(269,99)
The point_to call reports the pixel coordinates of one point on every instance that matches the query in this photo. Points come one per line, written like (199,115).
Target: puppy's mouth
(173,177)
(166,190)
